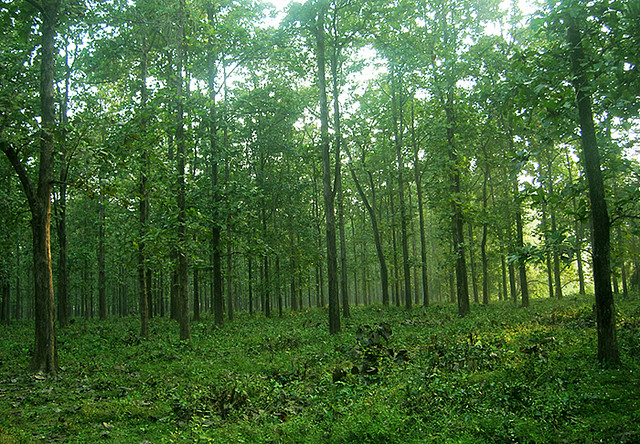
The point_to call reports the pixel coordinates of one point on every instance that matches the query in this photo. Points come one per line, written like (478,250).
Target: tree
(600,231)
(328,189)
(45,353)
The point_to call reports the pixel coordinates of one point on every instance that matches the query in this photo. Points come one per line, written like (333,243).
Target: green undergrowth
(499,375)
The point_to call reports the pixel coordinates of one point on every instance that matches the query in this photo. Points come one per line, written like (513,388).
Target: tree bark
(45,353)
(216,245)
(377,238)
(472,265)
(183,268)
(143,204)
(344,282)
(423,242)
(328,191)
(457,223)
(397,137)
(102,275)
(556,256)
(486,297)
(600,233)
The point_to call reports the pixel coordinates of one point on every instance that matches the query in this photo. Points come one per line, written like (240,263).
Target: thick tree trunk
(328,191)
(45,357)
(600,232)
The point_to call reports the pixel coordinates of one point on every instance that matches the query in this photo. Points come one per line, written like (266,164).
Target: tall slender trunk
(396,105)
(556,255)
(600,233)
(457,223)
(250,290)
(344,281)
(377,238)
(196,294)
(394,243)
(485,222)
(183,270)
(504,278)
(578,230)
(102,277)
(472,265)
(61,222)
(18,307)
(216,245)
(278,287)
(227,177)
(266,288)
(423,242)
(522,266)
(328,191)
(355,255)
(143,207)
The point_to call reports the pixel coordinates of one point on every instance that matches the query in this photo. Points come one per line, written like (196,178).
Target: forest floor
(500,375)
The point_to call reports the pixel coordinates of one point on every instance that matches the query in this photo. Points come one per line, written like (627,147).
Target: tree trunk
(337,127)
(472,265)
(556,255)
(196,295)
(183,268)
(328,191)
(423,242)
(396,105)
(485,222)
(522,266)
(250,267)
(216,246)
(45,355)
(600,232)
(457,227)
(504,277)
(143,205)
(102,276)
(377,238)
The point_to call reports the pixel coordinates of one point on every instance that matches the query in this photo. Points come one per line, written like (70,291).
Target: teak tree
(600,231)
(45,353)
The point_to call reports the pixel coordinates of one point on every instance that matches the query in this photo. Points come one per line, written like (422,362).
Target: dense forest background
(201,156)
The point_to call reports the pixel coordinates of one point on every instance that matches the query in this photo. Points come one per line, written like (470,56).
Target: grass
(499,375)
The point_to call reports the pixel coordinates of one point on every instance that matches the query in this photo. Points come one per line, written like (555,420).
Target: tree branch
(19,168)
